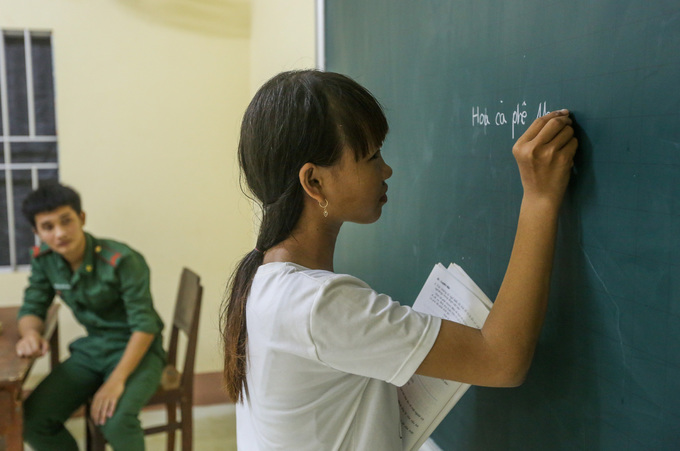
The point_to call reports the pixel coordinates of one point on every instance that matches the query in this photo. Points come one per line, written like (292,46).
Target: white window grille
(28,135)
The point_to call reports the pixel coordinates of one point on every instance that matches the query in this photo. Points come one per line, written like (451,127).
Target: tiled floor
(214,429)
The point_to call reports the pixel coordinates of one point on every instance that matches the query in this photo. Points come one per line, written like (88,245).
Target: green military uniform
(109,294)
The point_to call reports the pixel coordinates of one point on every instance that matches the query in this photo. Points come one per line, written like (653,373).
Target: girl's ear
(311,181)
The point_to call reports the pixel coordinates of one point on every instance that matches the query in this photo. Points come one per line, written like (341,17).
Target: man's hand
(105,400)
(32,344)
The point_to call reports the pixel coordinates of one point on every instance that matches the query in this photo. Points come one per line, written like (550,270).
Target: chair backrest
(186,318)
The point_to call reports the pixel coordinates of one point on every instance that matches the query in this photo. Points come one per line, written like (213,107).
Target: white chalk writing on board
(518,116)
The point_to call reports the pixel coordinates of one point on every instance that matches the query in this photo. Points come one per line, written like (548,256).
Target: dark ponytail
(295,118)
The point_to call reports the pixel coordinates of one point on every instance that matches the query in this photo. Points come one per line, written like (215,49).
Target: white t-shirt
(325,354)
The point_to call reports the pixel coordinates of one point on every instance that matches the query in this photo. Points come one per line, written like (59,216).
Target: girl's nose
(388,171)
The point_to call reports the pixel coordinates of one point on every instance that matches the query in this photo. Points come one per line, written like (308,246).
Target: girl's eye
(375,156)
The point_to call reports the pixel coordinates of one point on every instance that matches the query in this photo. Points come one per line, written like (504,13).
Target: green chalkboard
(452,76)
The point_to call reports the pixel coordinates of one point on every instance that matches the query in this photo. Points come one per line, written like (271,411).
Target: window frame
(7,139)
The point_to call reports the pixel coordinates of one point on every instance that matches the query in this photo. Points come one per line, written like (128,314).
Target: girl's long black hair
(295,118)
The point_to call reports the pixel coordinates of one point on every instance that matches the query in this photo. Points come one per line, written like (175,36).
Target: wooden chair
(177,389)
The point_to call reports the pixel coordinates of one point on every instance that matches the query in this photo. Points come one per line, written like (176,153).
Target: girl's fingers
(563,137)
(570,147)
(540,123)
(554,126)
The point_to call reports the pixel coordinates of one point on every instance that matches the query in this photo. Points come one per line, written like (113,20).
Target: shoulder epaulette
(110,256)
(37,251)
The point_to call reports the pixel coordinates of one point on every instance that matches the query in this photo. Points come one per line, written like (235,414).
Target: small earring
(325,212)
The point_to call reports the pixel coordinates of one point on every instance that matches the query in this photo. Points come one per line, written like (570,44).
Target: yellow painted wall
(283,38)
(149,98)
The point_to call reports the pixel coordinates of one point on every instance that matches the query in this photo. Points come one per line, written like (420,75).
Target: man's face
(62,230)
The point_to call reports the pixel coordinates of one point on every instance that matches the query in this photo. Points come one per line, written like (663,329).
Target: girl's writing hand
(545,155)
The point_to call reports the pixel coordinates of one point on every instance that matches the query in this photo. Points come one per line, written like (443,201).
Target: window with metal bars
(28,135)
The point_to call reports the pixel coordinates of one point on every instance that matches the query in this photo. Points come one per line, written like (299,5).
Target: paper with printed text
(424,401)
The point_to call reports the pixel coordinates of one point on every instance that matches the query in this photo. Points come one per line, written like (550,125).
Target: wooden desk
(13,373)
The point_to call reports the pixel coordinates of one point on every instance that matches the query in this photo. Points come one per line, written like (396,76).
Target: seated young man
(106,285)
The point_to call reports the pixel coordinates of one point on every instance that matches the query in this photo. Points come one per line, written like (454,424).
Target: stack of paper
(424,401)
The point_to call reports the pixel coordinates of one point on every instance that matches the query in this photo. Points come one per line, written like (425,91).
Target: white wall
(149,98)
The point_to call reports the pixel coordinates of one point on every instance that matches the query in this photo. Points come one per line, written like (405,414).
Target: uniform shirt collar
(88,259)
(87,265)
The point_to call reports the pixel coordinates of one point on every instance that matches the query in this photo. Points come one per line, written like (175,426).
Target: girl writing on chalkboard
(314,357)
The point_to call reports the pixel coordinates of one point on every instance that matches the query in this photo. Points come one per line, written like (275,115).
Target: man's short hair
(48,198)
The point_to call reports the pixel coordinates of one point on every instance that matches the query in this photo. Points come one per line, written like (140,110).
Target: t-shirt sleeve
(134,276)
(358,331)
(39,293)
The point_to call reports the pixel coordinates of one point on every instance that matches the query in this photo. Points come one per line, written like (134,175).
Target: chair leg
(187,423)
(94,439)
(88,437)
(99,442)
(91,439)
(171,408)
